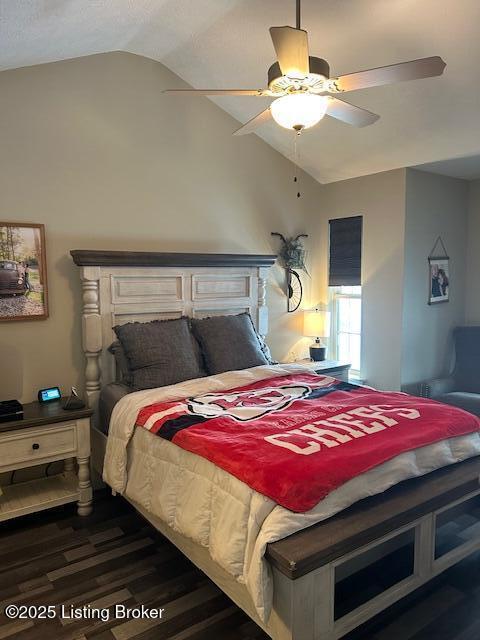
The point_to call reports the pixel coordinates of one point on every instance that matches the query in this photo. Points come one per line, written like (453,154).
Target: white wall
(435,206)
(92,148)
(380,199)
(404,340)
(473,255)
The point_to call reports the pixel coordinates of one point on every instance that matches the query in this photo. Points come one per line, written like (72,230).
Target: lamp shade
(316,323)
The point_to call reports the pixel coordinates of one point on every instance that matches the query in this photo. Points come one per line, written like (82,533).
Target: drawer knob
(35,446)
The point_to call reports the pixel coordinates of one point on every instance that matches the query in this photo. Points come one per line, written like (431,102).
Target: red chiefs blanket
(295,438)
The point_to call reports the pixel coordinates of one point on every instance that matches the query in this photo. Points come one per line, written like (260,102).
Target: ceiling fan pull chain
(295,165)
(296,160)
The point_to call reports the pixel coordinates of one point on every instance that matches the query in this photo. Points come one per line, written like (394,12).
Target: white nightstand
(46,434)
(332,368)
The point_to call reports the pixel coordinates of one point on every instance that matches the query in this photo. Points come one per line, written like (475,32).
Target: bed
(307,569)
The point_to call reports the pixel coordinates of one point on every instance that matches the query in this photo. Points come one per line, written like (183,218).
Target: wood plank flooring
(115,557)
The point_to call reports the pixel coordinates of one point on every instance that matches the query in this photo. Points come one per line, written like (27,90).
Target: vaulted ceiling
(225,43)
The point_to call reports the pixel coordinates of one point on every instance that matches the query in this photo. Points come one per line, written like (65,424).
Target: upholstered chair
(462,387)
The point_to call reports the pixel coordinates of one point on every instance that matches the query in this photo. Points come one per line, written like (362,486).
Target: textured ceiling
(224,43)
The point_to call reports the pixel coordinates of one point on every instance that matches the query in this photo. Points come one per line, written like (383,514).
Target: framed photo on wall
(439,278)
(23,272)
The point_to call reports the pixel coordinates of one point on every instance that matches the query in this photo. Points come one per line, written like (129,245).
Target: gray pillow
(265,350)
(159,353)
(123,368)
(228,343)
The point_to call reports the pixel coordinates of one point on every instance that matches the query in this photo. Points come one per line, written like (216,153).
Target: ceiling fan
(303,90)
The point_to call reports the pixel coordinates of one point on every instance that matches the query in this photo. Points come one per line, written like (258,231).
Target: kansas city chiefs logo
(246,405)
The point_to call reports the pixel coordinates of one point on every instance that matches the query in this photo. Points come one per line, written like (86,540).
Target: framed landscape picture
(439,277)
(23,272)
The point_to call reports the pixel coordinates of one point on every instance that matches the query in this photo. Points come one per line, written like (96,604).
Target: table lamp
(316,324)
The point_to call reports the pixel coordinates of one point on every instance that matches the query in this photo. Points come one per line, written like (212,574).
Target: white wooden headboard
(125,286)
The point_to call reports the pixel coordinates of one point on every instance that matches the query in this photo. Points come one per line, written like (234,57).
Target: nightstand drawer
(30,445)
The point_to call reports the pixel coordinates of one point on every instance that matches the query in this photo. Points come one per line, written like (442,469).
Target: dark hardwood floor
(115,557)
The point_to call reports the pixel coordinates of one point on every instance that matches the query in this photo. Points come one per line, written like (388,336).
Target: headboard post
(92,331)
(262,310)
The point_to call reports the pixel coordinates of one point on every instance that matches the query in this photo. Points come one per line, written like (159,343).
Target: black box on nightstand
(10,410)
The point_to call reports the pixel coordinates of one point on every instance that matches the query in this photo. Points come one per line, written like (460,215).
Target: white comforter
(213,508)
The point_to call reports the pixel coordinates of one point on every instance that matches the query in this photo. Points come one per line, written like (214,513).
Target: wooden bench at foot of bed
(339,573)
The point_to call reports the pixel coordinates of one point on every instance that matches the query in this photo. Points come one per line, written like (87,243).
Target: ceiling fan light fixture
(299,111)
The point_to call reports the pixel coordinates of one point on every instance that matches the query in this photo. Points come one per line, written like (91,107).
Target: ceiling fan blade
(255,122)
(291,47)
(220,92)
(413,70)
(349,113)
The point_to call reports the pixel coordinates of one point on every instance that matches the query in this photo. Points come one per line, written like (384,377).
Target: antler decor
(292,254)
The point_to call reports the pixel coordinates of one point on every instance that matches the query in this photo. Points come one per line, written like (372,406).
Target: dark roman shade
(345,252)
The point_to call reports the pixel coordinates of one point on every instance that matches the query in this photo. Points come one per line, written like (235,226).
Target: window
(346,330)
(345,262)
